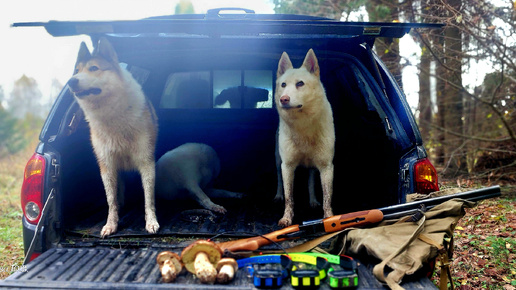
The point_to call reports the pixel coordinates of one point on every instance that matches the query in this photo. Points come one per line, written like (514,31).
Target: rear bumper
(29,230)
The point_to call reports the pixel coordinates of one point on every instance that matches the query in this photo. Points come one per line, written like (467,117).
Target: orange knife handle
(354,219)
(254,243)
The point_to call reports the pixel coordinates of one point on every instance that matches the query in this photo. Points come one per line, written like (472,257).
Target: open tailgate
(101,268)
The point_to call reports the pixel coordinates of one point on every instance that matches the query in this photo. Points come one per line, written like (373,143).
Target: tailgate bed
(101,268)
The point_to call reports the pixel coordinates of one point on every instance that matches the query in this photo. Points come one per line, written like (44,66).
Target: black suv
(379,156)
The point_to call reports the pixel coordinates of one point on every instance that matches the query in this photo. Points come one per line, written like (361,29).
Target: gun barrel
(399,210)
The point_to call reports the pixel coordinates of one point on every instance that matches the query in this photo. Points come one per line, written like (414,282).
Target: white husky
(306,134)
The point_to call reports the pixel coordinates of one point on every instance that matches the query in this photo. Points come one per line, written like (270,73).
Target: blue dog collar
(270,277)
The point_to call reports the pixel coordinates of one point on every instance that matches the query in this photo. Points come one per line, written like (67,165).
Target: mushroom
(226,268)
(170,265)
(200,257)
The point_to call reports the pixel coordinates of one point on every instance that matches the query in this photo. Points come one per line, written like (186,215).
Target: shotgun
(355,219)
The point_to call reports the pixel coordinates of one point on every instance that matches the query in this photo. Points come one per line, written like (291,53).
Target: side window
(227,89)
(139,74)
(187,90)
(231,89)
(259,89)
(242,89)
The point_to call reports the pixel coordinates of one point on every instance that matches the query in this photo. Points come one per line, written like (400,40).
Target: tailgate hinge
(389,126)
(56,170)
(405,175)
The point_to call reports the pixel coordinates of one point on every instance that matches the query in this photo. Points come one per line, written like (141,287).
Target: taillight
(34,256)
(32,188)
(426,177)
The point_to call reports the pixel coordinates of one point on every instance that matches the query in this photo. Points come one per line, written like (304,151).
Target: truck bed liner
(100,268)
(246,218)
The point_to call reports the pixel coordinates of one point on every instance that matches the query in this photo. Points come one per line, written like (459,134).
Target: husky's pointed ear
(84,53)
(310,63)
(106,50)
(284,64)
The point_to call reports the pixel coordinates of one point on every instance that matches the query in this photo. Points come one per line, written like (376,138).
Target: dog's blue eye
(300,84)
(283,85)
(93,68)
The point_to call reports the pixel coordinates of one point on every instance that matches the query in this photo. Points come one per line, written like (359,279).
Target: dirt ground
(485,245)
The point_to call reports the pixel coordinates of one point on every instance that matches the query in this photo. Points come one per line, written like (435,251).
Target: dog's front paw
(314,203)
(218,209)
(285,222)
(152,226)
(279,197)
(108,229)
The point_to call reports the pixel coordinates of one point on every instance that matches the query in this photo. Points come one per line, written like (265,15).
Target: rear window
(218,89)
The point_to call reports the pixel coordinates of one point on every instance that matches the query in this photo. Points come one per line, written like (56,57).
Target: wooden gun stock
(328,225)
(355,219)
(254,243)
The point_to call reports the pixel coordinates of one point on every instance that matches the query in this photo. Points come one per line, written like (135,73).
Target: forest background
(468,128)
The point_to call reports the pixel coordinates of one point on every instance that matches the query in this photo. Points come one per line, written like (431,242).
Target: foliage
(184,7)
(485,248)
(11,137)
(26,99)
(22,118)
(486,31)
(334,9)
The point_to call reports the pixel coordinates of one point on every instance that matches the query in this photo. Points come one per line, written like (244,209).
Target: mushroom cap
(168,255)
(227,261)
(211,249)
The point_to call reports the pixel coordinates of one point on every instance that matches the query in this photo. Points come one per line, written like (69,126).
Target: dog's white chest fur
(307,145)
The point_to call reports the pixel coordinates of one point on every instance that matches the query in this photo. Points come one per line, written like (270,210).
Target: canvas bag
(404,246)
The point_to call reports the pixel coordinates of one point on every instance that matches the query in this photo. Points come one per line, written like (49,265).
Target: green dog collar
(343,272)
(308,278)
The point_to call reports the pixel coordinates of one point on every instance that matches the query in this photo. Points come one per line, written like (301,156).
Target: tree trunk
(425,102)
(441,113)
(453,98)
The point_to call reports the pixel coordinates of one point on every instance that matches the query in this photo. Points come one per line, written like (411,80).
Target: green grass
(11,241)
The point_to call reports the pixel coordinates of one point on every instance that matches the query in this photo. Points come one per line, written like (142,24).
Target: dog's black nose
(73,83)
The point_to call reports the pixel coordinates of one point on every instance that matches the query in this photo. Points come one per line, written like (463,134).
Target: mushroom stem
(200,257)
(225,274)
(227,268)
(204,270)
(168,272)
(169,265)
